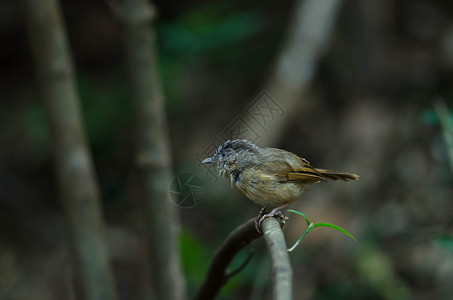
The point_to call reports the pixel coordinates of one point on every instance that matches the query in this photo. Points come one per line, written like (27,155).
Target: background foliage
(371,113)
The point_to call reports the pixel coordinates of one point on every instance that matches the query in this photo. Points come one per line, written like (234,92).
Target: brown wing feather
(288,166)
(277,169)
(305,172)
(335,175)
(292,168)
(304,176)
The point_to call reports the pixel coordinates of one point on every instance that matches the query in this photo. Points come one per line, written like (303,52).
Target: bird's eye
(223,154)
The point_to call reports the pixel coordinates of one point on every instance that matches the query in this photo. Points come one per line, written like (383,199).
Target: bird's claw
(261,218)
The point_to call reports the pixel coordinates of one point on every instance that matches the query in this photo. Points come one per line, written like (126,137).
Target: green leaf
(200,31)
(300,214)
(307,230)
(445,240)
(193,252)
(311,226)
(429,117)
(336,228)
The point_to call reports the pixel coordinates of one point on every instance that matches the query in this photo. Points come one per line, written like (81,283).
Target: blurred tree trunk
(307,37)
(76,178)
(152,150)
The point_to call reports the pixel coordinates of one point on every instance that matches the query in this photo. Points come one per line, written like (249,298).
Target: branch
(78,186)
(217,275)
(306,40)
(281,268)
(152,149)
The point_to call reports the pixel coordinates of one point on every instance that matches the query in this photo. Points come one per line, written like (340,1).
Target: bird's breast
(266,189)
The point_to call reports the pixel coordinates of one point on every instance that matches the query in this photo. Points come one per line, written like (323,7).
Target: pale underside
(272,190)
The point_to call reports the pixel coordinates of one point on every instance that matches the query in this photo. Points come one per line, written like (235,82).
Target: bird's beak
(209,160)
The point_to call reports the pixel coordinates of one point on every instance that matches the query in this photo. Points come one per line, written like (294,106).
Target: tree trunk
(77,182)
(152,150)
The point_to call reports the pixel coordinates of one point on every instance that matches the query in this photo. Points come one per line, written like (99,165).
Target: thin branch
(281,268)
(240,268)
(217,275)
(77,182)
(308,35)
(152,149)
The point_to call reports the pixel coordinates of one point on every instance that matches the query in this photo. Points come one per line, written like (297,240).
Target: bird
(270,177)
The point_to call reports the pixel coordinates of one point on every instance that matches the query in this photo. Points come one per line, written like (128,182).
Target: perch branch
(281,268)
(217,275)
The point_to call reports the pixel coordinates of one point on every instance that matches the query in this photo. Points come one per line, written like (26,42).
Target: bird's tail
(335,175)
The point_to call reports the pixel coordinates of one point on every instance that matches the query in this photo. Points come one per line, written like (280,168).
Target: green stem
(307,230)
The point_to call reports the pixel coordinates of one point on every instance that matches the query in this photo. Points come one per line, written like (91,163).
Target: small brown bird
(268,176)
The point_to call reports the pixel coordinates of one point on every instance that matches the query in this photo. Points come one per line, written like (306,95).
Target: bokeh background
(368,109)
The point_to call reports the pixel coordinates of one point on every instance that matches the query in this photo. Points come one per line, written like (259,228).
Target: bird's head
(234,156)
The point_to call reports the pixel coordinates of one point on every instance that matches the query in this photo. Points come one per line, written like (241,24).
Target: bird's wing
(284,171)
(293,168)
(304,172)
(304,176)
(335,175)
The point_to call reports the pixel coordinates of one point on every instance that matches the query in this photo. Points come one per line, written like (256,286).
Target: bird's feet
(262,213)
(258,218)
(274,213)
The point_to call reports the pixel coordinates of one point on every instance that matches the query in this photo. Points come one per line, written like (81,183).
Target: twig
(78,185)
(217,275)
(240,268)
(152,150)
(281,268)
